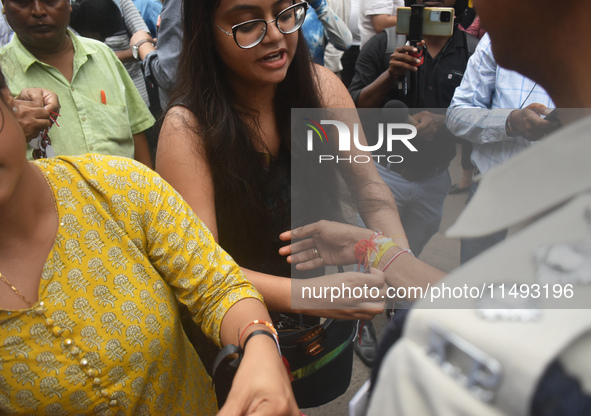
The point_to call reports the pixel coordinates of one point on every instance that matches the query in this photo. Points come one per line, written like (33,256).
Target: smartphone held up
(417,21)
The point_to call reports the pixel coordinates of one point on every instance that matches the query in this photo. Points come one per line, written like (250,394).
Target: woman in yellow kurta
(95,254)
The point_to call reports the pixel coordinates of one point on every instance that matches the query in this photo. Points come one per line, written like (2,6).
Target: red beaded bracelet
(258,322)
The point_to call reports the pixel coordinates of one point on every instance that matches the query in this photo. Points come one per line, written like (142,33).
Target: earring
(3,11)
(15,110)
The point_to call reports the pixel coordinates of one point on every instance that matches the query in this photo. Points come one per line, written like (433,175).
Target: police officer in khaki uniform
(519,320)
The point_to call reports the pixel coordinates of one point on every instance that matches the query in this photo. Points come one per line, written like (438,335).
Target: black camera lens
(445,17)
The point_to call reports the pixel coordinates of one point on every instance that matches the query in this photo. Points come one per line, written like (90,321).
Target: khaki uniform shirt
(484,351)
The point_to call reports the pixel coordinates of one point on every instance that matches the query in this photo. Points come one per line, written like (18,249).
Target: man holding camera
(383,74)
(383,78)
(525,354)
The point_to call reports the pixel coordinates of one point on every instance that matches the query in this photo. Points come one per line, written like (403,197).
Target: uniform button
(113,403)
(71,88)
(104,393)
(91,373)
(83,118)
(84,362)
(49,322)
(69,342)
(76,351)
(91,147)
(97,382)
(57,331)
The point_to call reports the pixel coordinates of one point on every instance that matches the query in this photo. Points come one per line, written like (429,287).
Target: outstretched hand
(323,243)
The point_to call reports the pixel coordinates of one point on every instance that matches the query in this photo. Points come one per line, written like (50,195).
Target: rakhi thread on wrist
(364,250)
(395,257)
(370,252)
(259,322)
(384,244)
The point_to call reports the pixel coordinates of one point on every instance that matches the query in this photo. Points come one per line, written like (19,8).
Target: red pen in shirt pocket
(103,97)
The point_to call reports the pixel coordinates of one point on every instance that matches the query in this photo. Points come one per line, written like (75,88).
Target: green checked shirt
(101,109)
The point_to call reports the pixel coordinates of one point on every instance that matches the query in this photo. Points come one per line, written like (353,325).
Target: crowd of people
(150,218)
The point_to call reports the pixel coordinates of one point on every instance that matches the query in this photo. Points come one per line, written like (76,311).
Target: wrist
(145,49)
(508,127)
(392,256)
(258,335)
(141,48)
(256,325)
(368,252)
(363,234)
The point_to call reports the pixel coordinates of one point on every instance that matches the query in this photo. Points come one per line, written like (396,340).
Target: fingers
(39,97)
(51,101)
(307,259)
(535,126)
(305,231)
(303,254)
(32,118)
(402,60)
(32,95)
(285,236)
(308,230)
(297,247)
(539,108)
(308,265)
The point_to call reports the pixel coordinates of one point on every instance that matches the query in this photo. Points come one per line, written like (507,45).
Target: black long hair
(241,181)
(100,17)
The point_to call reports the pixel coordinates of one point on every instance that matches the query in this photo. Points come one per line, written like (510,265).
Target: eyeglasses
(250,33)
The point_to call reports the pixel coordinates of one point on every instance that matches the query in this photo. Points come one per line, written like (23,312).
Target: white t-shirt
(368,8)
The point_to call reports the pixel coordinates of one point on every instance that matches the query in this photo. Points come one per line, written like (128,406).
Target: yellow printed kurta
(105,337)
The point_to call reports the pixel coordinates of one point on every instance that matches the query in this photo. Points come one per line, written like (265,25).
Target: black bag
(320,360)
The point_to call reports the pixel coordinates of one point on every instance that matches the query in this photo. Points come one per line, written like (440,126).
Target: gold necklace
(2,277)
(15,290)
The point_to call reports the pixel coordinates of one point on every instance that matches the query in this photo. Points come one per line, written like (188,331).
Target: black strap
(233,349)
(258,332)
(223,354)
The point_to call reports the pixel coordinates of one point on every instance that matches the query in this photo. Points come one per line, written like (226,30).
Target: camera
(438,16)
(436,21)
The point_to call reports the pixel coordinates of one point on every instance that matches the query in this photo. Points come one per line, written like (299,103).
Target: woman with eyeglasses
(96,255)
(225,141)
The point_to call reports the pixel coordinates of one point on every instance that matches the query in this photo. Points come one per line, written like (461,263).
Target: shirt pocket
(455,78)
(115,123)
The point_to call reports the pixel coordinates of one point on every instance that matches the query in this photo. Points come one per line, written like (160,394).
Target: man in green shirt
(101,110)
